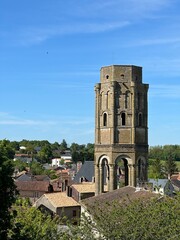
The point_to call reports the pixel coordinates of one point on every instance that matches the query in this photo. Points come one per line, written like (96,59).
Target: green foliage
(50,173)
(44,151)
(156,171)
(6,149)
(7,187)
(82,152)
(162,169)
(170,166)
(20,165)
(139,219)
(36,168)
(162,152)
(45,154)
(63,145)
(31,224)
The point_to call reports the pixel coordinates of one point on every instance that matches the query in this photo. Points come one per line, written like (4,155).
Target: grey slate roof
(86,171)
(159,182)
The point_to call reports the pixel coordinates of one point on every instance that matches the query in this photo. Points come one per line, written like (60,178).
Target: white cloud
(165,91)
(156,41)
(7,119)
(25,122)
(86,17)
(39,34)
(123,8)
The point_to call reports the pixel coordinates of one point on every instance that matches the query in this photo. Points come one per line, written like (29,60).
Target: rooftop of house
(86,171)
(126,194)
(21,155)
(84,187)
(158,182)
(176,176)
(18,174)
(41,177)
(176,182)
(60,199)
(41,186)
(28,176)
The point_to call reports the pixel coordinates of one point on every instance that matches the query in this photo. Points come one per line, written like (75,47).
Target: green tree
(134,219)
(15,145)
(36,168)
(74,148)
(7,187)
(170,166)
(156,169)
(20,165)
(82,152)
(45,154)
(31,224)
(63,145)
(156,152)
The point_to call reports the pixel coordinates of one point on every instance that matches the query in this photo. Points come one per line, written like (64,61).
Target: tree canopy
(7,187)
(31,224)
(156,218)
(162,152)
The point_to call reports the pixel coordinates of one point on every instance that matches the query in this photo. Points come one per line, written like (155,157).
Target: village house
(80,191)
(33,189)
(60,204)
(161,186)
(85,173)
(175,180)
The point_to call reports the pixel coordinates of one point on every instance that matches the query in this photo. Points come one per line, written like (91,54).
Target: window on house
(74,213)
(36,194)
(105,120)
(123,119)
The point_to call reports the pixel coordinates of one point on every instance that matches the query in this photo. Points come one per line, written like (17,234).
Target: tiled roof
(176,176)
(176,182)
(84,187)
(60,200)
(41,177)
(123,194)
(41,186)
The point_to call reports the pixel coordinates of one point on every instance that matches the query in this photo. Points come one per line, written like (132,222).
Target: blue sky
(51,52)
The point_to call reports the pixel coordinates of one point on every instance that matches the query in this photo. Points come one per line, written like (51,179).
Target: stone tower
(121,128)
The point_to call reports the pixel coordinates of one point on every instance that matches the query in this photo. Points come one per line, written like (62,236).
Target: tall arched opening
(121,172)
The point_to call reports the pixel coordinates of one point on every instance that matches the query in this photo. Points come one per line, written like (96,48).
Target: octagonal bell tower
(121,128)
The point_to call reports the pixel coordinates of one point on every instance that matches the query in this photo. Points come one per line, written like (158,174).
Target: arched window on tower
(140,120)
(105,119)
(122,76)
(123,119)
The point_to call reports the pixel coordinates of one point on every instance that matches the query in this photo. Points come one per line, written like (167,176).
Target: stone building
(121,127)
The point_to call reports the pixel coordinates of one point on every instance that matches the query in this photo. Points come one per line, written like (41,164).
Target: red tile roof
(41,186)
